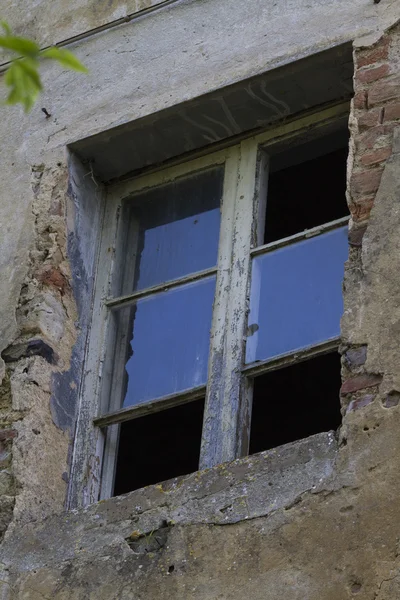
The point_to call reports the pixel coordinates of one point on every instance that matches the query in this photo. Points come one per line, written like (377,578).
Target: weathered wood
(297,237)
(223,430)
(159,288)
(148,408)
(89,440)
(284,360)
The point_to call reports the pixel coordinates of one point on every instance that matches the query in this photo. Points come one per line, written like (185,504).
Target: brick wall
(375,113)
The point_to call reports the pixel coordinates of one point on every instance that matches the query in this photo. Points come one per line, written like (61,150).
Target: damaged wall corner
(44,363)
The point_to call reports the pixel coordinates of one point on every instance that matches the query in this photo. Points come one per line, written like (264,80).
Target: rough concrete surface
(221,534)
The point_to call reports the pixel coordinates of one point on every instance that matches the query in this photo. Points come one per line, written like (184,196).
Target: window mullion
(225,423)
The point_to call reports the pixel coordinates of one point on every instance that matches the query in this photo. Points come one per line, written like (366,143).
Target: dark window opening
(295,402)
(159,446)
(306,187)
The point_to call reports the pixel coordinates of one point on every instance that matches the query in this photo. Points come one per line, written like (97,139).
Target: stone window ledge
(246,488)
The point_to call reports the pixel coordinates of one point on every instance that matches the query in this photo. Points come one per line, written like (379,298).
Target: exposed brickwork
(45,317)
(373,74)
(374,114)
(384,91)
(392,112)
(375,109)
(53,277)
(377,156)
(365,182)
(361,382)
(377,54)
(370,118)
(360,100)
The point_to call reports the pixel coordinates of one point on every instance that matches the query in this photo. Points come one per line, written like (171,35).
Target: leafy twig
(22,77)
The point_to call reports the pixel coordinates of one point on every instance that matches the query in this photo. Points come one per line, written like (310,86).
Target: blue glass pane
(296,296)
(177,229)
(168,341)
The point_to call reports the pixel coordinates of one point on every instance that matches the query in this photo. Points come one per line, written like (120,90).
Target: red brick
(369,119)
(392,112)
(373,55)
(365,182)
(377,156)
(8,434)
(383,91)
(360,100)
(360,382)
(360,211)
(380,133)
(370,75)
(53,277)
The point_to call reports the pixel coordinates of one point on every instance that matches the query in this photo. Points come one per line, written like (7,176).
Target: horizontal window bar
(141,410)
(161,287)
(303,235)
(290,358)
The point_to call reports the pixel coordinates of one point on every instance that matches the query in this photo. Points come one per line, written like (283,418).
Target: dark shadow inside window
(295,402)
(306,187)
(159,446)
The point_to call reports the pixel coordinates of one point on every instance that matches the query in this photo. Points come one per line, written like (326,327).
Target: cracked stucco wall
(317,519)
(43,363)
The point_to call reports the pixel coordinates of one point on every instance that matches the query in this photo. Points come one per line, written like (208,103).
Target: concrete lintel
(248,106)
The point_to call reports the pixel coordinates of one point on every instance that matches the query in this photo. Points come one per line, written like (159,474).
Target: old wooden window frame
(227,413)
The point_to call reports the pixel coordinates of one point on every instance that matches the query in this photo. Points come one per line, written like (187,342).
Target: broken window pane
(307,186)
(172,230)
(294,402)
(159,446)
(296,295)
(164,342)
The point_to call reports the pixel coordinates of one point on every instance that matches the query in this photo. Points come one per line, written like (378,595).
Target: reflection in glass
(172,230)
(166,349)
(296,295)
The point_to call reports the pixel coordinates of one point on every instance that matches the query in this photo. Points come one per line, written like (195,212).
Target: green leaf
(22,76)
(20,45)
(65,58)
(24,81)
(31,71)
(6,27)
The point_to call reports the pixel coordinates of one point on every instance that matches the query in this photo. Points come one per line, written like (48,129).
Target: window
(218,296)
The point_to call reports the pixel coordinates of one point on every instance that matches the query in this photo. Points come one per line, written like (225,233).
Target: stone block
(360,382)
(373,74)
